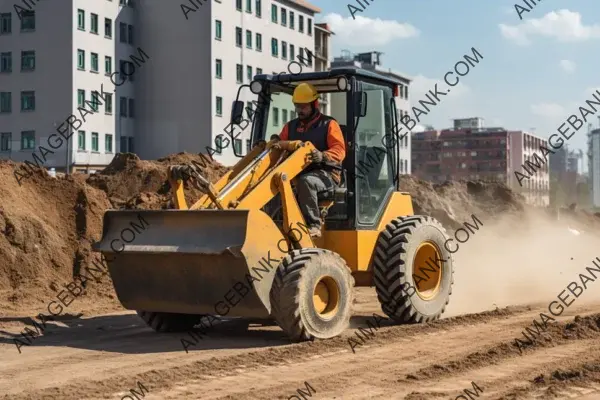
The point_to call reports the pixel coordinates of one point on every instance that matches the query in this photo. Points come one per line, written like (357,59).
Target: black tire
(169,322)
(393,270)
(292,303)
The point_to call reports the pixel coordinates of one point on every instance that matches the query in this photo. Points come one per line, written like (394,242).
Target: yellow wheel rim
(326,297)
(425,260)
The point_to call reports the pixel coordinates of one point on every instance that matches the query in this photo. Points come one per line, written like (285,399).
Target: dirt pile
(47,225)
(454,202)
(46,228)
(133,183)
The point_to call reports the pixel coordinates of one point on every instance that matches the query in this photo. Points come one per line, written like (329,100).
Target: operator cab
(363,104)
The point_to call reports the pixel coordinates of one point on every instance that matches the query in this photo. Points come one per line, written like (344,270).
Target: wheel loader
(241,249)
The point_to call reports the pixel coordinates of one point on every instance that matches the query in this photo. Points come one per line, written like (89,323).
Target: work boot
(315,232)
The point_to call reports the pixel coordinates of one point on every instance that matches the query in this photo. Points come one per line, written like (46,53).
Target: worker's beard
(304,118)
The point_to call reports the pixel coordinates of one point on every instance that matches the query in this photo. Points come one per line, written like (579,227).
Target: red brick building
(480,154)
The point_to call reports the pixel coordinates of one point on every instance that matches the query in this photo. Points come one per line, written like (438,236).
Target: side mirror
(237,112)
(360,105)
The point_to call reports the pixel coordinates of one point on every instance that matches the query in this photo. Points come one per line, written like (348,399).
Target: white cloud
(421,85)
(563,25)
(568,66)
(548,110)
(364,31)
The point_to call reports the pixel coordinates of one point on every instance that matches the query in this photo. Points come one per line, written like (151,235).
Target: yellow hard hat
(305,93)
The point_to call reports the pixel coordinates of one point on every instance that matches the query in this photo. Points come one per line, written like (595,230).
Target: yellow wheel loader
(242,249)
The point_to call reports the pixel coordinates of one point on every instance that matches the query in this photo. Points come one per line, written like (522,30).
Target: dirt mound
(46,228)
(133,183)
(454,202)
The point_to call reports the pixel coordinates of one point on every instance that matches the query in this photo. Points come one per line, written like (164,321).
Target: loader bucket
(219,262)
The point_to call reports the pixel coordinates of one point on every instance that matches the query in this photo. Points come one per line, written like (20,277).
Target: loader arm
(254,181)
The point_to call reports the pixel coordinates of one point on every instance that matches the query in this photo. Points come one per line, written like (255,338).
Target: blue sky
(535,72)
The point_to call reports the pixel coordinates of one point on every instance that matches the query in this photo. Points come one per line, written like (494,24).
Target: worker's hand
(315,156)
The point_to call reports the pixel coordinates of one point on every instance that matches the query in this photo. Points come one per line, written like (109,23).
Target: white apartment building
(51,60)
(178,99)
(521,148)
(594,166)
(198,64)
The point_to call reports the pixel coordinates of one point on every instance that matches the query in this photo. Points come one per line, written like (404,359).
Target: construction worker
(325,134)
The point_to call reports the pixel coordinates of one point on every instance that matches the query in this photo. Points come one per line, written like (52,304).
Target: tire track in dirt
(346,370)
(171,370)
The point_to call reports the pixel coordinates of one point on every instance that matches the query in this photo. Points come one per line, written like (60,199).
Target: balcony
(321,52)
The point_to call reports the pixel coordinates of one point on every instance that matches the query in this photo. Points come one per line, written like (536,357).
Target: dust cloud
(523,260)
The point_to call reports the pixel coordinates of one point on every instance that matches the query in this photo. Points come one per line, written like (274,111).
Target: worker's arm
(336,146)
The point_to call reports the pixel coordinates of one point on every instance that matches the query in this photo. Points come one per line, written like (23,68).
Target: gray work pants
(307,187)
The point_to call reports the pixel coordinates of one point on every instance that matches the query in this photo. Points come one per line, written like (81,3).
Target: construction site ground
(520,260)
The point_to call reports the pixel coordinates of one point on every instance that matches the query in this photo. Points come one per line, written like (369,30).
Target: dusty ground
(506,274)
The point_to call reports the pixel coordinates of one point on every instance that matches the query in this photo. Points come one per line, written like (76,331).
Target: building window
(5,102)
(107,65)
(291,20)
(237,144)
(123,106)
(238,36)
(108,28)
(5,23)
(283,16)
(239,73)
(94,62)
(301,23)
(249,73)
(28,21)
(108,108)
(130,34)
(81,59)
(95,102)
(80,97)
(27,60)
(218,32)
(219,69)
(248,39)
(238,5)
(292,52)
(309,27)
(131,108)
(6,62)
(258,42)
(108,143)
(284,115)
(95,143)
(292,115)
(274,49)
(284,50)
(127,69)
(5,141)
(81,19)
(80,140)
(94,23)
(258,7)
(28,101)
(248,145)
(122,32)
(219,144)
(273,13)
(219,106)
(258,71)
(248,6)
(27,140)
